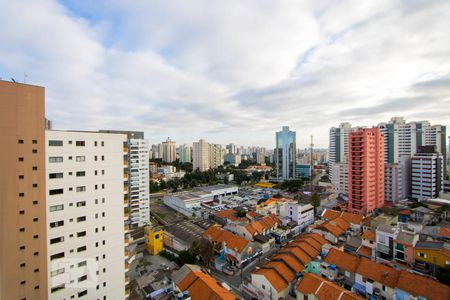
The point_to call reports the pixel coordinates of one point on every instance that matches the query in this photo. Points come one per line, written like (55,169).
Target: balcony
(126,215)
(125,149)
(126,253)
(125,228)
(127,241)
(125,189)
(127,265)
(127,280)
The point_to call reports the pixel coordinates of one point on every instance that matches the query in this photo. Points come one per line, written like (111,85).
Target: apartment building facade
(285,153)
(200,156)
(86,188)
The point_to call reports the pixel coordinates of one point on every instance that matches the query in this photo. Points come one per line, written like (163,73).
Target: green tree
(315,201)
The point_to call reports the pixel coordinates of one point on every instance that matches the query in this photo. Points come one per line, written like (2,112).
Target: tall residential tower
(285,153)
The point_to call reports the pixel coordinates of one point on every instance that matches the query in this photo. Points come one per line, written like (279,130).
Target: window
(21,194)
(81,188)
(103,144)
(95,143)
(81,249)
(35,185)
(95,158)
(35,202)
(34,151)
(262,285)
(80,143)
(34,142)
(82,278)
(22,229)
(422,254)
(56,207)
(103,172)
(22,265)
(103,157)
(83,293)
(22,248)
(21,177)
(55,159)
(57,240)
(56,191)
(23,282)
(36,236)
(81,203)
(81,219)
(55,143)
(58,287)
(57,272)
(70,142)
(82,263)
(81,158)
(56,256)
(55,175)
(20,141)
(22,212)
(81,233)
(36,271)
(36,253)
(57,224)
(103,185)
(35,219)
(35,168)
(95,172)
(80,173)
(20,158)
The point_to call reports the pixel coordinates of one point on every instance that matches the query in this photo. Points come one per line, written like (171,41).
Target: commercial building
(303,171)
(137,175)
(200,156)
(366,170)
(86,188)
(427,173)
(302,214)
(184,153)
(285,153)
(169,151)
(23,246)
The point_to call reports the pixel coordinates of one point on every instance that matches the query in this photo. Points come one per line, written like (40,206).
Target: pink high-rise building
(366,170)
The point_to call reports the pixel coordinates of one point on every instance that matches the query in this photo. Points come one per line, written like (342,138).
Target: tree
(315,201)
(241,213)
(204,249)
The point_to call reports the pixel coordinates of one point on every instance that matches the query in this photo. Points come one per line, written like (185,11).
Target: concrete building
(366,170)
(285,153)
(232,149)
(427,173)
(261,156)
(339,178)
(393,182)
(137,174)
(338,146)
(184,153)
(303,171)
(169,151)
(302,214)
(233,159)
(86,188)
(216,154)
(23,246)
(200,156)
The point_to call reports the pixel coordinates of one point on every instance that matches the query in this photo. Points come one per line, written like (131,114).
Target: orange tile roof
(227,214)
(307,248)
(343,224)
(365,251)
(281,268)
(319,238)
(232,241)
(445,232)
(342,260)
(369,235)
(417,285)
(290,260)
(352,218)
(203,287)
(322,289)
(313,243)
(377,272)
(405,212)
(252,214)
(330,214)
(301,255)
(333,229)
(251,229)
(259,226)
(274,278)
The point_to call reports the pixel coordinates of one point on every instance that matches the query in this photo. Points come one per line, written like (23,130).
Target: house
(355,220)
(345,263)
(423,215)
(197,284)
(230,215)
(233,250)
(410,286)
(333,230)
(259,226)
(404,243)
(272,206)
(353,244)
(312,286)
(368,244)
(431,256)
(385,241)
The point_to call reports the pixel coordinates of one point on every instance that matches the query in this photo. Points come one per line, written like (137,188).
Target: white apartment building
(138,182)
(303,214)
(261,156)
(393,186)
(216,155)
(85,215)
(200,155)
(427,173)
(169,151)
(338,146)
(339,175)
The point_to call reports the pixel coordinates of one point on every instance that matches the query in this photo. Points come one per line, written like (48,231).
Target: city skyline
(222,75)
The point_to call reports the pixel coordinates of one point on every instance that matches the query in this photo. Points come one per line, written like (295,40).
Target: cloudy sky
(230,71)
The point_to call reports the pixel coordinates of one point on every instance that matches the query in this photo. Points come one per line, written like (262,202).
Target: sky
(230,71)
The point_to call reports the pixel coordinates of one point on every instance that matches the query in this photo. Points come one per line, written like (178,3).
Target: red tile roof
(342,260)
(422,286)
(318,237)
(278,282)
(203,287)
(365,251)
(218,235)
(290,260)
(369,235)
(378,272)
(330,214)
(312,284)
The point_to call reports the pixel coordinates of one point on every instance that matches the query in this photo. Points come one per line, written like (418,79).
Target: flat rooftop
(212,188)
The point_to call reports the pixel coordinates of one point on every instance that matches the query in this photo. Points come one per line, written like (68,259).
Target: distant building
(427,173)
(200,155)
(169,153)
(184,153)
(261,156)
(366,170)
(232,149)
(303,171)
(215,156)
(393,182)
(338,146)
(233,159)
(339,178)
(285,153)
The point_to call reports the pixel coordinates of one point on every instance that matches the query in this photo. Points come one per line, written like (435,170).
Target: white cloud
(230,71)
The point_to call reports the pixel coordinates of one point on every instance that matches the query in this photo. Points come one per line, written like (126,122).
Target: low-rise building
(404,243)
(385,241)
(312,286)
(302,214)
(430,257)
(187,202)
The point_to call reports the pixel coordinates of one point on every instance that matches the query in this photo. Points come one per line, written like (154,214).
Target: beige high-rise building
(201,155)
(215,155)
(169,153)
(23,241)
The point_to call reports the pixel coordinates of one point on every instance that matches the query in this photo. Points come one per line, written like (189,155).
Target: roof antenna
(13,80)
(25,75)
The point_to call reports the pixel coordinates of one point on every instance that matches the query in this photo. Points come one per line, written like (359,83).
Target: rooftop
(218,235)
(312,284)
(342,260)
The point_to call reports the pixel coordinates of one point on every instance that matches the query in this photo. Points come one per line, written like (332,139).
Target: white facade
(427,175)
(200,156)
(339,178)
(138,182)
(261,156)
(169,151)
(303,214)
(338,145)
(184,152)
(216,154)
(393,182)
(85,215)
(187,202)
